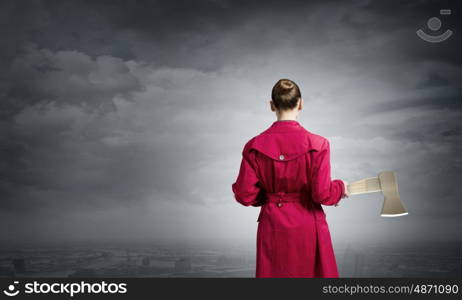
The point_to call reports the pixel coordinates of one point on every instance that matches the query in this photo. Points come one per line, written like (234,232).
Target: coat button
(279,204)
(281,157)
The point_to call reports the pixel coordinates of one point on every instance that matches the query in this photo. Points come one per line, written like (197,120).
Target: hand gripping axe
(385,183)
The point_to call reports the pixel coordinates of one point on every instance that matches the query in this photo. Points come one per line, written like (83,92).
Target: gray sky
(126,119)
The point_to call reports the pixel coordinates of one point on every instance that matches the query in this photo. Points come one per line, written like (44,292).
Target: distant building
(183,265)
(84,272)
(231,260)
(353,263)
(7,272)
(145,261)
(19,265)
(127,256)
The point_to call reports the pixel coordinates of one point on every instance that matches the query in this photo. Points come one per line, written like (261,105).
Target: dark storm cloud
(71,77)
(109,104)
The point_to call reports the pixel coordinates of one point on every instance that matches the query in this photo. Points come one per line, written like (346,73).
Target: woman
(286,171)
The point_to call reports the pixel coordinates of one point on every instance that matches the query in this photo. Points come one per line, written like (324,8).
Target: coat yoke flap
(286,146)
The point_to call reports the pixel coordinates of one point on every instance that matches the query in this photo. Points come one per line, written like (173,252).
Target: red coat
(293,238)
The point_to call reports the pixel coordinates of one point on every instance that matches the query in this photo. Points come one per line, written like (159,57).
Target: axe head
(392,205)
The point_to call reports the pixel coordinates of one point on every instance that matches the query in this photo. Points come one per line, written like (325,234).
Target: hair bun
(285,94)
(286,84)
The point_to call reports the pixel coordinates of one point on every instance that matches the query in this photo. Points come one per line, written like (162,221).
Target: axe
(385,183)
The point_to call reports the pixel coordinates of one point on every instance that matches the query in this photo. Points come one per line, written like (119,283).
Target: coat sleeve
(246,189)
(324,190)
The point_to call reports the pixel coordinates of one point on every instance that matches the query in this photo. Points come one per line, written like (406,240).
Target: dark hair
(285,94)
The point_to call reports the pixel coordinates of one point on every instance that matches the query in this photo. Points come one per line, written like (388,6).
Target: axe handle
(368,185)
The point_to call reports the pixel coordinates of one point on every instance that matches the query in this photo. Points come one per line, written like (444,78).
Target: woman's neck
(286,116)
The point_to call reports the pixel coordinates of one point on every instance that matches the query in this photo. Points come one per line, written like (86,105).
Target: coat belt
(284,197)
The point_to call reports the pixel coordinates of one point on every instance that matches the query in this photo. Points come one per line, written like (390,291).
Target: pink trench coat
(285,171)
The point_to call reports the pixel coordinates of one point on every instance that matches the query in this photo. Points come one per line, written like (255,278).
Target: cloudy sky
(126,119)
